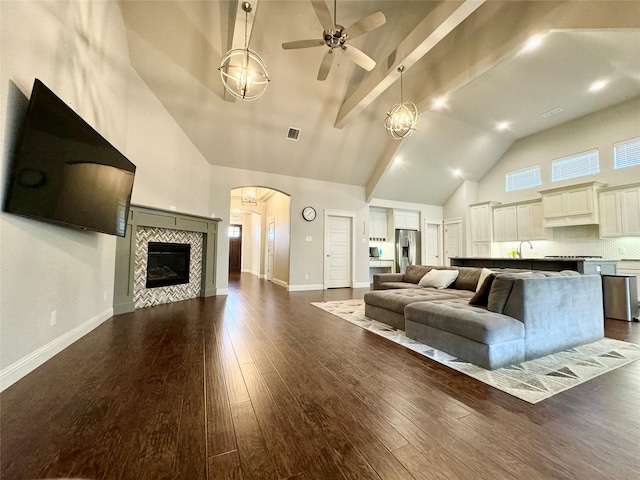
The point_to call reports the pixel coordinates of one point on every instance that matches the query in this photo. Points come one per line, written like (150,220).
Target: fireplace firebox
(167,264)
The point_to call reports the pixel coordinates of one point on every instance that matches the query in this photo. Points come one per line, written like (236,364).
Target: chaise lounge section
(515,317)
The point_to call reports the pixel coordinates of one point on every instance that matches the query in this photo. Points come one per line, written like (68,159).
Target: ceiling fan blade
(323,14)
(366,24)
(302,44)
(325,66)
(359,57)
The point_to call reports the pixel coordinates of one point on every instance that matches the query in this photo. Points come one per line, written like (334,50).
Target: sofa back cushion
(467,278)
(437,278)
(414,273)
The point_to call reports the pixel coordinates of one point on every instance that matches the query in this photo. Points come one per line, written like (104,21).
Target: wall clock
(309,214)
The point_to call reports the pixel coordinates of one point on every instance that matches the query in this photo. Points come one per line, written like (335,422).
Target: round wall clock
(309,214)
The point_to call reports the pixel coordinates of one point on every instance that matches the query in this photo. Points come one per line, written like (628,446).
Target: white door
(452,240)
(432,255)
(271,233)
(338,252)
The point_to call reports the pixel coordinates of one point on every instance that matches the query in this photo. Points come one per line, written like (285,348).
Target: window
(234,231)
(521,179)
(579,165)
(626,154)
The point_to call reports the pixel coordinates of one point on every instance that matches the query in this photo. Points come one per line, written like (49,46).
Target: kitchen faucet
(520,247)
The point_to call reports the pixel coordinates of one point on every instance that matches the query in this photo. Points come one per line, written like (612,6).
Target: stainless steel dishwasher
(620,297)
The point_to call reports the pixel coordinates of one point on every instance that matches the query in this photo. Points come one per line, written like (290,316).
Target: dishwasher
(620,297)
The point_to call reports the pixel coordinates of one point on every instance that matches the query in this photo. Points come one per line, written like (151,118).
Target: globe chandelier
(403,118)
(243,73)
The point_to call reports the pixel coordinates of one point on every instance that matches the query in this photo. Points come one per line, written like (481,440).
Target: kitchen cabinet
(480,228)
(574,205)
(505,227)
(406,220)
(378,228)
(530,221)
(620,211)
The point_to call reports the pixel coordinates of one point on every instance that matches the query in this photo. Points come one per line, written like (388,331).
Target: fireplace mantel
(142,216)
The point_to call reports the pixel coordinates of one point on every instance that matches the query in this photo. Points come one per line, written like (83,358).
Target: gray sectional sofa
(516,316)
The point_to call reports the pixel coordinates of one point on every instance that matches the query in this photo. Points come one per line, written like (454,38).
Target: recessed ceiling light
(457,172)
(599,85)
(439,103)
(502,126)
(533,43)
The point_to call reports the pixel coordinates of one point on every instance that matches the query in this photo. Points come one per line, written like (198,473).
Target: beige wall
(79,50)
(278,208)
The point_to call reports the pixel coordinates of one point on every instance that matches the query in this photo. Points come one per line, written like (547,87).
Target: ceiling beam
(382,167)
(435,26)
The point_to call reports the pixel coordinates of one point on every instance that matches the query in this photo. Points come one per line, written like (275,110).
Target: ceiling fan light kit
(243,73)
(335,37)
(402,120)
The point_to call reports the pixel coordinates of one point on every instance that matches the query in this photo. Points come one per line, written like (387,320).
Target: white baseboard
(361,285)
(281,283)
(252,272)
(222,291)
(17,370)
(303,288)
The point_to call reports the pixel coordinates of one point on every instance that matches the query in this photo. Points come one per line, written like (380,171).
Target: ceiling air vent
(293,134)
(553,112)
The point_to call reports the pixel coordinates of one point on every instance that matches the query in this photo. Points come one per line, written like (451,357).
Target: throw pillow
(481,298)
(438,278)
(484,273)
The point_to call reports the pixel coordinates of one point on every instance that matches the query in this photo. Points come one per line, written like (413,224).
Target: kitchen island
(583,265)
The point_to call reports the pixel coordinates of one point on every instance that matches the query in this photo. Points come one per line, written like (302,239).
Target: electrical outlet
(306,276)
(54,317)
(308,239)
(172,207)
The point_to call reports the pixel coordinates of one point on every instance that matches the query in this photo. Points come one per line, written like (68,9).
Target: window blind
(520,179)
(626,154)
(578,165)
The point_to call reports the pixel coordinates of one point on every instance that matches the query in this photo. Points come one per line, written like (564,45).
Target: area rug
(531,381)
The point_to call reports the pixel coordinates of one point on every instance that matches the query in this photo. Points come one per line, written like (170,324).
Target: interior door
(271,235)
(338,252)
(432,255)
(235,248)
(452,240)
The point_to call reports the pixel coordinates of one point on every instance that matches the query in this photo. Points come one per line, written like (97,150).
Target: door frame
(338,213)
(440,225)
(268,274)
(452,221)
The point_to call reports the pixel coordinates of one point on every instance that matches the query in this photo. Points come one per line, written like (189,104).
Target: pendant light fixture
(403,118)
(244,74)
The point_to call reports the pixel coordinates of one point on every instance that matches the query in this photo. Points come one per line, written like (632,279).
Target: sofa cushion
(459,318)
(414,273)
(438,278)
(484,273)
(501,289)
(467,278)
(396,300)
(481,297)
(397,285)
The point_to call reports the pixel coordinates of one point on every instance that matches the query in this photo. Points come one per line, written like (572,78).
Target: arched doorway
(261,216)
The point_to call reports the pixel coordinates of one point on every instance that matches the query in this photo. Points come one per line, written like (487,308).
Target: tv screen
(65,172)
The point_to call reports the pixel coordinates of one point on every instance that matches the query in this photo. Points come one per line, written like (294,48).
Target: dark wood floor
(263,385)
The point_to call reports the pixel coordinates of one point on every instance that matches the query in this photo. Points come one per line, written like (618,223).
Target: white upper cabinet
(575,205)
(518,221)
(620,211)
(406,220)
(505,227)
(378,228)
(480,222)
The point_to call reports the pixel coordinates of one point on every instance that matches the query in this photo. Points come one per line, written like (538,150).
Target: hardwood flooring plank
(225,466)
(255,458)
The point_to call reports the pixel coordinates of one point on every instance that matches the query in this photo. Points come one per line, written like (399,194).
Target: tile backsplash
(575,241)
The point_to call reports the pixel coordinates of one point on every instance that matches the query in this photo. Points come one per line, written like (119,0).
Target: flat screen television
(65,172)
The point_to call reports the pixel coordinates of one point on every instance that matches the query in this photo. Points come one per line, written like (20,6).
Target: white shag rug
(531,381)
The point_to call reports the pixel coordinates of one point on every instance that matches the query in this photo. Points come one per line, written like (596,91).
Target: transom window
(579,165)
(627,153)
(234,231)
(524,178)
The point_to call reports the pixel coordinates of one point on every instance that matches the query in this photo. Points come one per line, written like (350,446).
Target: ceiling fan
(336,36)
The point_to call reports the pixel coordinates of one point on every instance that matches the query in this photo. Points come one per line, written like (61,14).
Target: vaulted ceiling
(467,52)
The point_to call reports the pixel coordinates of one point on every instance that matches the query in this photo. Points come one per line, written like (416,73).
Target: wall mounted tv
(65,172)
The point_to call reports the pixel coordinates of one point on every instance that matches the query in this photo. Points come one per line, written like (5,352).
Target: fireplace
(167,264)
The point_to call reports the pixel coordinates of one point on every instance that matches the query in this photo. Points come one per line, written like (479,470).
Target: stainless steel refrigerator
(407,249)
